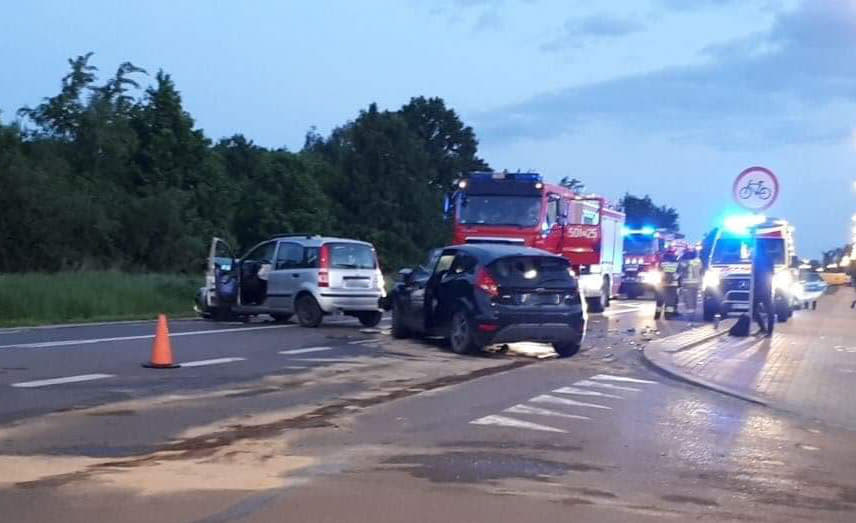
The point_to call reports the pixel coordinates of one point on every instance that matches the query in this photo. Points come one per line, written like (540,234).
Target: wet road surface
(367,428)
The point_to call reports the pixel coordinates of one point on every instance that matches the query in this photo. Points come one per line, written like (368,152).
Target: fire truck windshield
(640,244)
(521,211)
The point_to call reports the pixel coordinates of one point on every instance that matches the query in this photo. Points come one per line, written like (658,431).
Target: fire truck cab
(519,208)
(643,252)
(727,281)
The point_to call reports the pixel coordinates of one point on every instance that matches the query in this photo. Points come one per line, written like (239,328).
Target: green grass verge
(69,297)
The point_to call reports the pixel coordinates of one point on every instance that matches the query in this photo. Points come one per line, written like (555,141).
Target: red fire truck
(643,252)
(519,208)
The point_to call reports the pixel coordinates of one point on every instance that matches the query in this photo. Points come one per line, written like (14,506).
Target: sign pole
(756,190)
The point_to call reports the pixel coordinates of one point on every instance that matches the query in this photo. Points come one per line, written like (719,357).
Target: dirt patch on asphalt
(211,445)
(475,467)
(692,500)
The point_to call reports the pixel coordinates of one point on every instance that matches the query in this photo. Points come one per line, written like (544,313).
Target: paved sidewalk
(807,367)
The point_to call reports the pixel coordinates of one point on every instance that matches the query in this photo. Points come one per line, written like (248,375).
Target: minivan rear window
(351,256)
(531,271)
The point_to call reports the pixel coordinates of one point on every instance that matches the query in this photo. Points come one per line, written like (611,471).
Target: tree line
(116,175)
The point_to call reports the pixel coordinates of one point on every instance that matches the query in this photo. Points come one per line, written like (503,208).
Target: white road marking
(526,409)
(623,311)
(587,383)
(503,421)
(322,360)
(546,398)
(305,351)
(295,367)
(59,381)
(610,377)
(64,343)
(586,392)
(215,361)
(12,330)
(361,342)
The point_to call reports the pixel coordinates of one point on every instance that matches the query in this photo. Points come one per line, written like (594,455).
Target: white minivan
(294,274)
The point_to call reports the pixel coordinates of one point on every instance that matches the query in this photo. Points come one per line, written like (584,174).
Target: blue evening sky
(667,97)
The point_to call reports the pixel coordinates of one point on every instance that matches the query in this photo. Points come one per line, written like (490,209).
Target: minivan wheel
(566,349)
(309,314)
(370,318)
(461,335)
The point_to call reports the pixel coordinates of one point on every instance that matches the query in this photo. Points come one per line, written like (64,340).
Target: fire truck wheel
(600,303)
(607,293)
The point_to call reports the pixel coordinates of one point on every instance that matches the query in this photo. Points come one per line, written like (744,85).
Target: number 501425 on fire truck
(521,209)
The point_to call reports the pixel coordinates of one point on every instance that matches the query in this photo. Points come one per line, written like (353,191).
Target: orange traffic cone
(161,350)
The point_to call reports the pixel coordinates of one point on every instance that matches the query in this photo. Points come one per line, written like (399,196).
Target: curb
(660,359)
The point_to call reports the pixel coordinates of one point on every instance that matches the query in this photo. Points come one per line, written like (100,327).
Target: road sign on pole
(756,189)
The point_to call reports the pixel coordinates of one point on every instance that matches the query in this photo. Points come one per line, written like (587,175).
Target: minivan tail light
(486,283)
(324,263)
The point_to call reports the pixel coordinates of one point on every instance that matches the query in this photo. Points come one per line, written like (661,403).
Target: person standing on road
(762,276)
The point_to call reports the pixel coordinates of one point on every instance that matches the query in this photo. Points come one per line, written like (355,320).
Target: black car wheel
(309,314)
(370,318)
(461,335)
(280,317)
(399,330)
(566,349)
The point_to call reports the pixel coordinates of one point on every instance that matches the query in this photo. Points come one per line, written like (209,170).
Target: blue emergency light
(741,224)
(647,231)
(502,182)
(503,175)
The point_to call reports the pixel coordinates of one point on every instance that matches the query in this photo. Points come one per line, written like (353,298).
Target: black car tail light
(486,283)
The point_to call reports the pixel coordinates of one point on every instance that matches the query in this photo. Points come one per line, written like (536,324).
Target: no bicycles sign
(756,189)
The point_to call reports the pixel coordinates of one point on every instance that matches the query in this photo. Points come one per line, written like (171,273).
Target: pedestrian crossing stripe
(546,398)
(588,383)
(526,409)
(585,392)
(625,379)
(504,421)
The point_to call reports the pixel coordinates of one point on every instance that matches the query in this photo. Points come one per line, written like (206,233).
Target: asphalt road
(357,427)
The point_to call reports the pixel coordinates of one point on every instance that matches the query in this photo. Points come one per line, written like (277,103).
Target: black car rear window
(531,271)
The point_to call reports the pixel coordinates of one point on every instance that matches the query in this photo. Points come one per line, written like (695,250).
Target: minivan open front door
(221,278)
